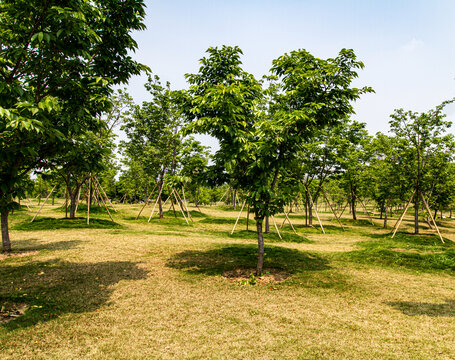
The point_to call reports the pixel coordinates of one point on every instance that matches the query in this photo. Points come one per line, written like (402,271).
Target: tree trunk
(310,214)
(73,203)
(267,225)
(385,213)
(416,214)
(260,248)
(234,199)
(353,208)
(6,244)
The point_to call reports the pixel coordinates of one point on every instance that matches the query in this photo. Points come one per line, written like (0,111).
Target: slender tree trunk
(6,243)
(267,225)
(416,213)
(353,205)
(310,215)
(160,203)
(73,203)
(234,199)
(260,248)
(385,213)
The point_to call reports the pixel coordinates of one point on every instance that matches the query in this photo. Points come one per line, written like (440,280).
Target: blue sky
(408,47)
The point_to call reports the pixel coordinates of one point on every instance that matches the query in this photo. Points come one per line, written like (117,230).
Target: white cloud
(413,45)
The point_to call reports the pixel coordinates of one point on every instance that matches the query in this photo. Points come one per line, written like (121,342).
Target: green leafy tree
(420,138)
(58,63)
(260,132)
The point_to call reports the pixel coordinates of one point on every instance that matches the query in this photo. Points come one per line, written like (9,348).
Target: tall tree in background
(419,138)
(57,68)
(153,134)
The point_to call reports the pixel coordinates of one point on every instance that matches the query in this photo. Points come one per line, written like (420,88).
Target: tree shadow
(56,287)
(271,237)
(219,260)
(37,245)
(48,223)
(428,309)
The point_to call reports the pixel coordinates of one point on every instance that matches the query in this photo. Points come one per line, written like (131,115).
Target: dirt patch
(247,276)
(18,254)
(11,311)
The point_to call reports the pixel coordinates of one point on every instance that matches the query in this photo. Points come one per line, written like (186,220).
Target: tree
(420,138)
(153,134)
(57,67)
(261,131)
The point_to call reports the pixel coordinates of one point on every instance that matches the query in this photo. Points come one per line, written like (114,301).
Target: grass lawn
(168,290)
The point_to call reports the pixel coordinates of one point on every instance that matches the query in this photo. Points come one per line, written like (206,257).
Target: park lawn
(135,290)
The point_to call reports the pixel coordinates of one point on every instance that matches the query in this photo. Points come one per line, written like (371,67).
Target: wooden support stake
(331,208)
(181,210)
(247,217)
(78,199)
(146,201)
(105,206)
(276,227)
(47,197)
(184,205)
(238,217)
(365,208)
(398,223)
(156,202)
(431,216)
(316,212)
(289,220)
(110,202)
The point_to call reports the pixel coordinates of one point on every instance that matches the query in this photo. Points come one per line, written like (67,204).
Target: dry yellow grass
(150,291)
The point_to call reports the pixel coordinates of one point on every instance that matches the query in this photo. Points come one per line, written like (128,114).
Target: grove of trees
(287,136)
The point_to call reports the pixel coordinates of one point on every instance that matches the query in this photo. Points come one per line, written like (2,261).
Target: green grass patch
(415,252)
(48,223)
(270,237)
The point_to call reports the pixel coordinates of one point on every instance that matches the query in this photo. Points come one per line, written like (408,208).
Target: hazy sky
(407,46)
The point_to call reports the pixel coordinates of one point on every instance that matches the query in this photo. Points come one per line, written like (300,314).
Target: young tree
(57,67)
(419,138)
(260,132)
(153,134)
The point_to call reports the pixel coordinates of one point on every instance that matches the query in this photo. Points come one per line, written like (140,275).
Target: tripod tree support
(431,216)
(238,217)
(331,208)
(47,197)
(104,193)
(400,219)
(146,201)
(315,210)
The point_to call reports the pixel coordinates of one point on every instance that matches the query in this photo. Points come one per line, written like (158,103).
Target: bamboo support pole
(184,205)
(47,197)
(146,201)
(156,202)
(365,208)
(331,208)
(400,219)
(78,199)
(431,216)
(315,210)
(276,227)
(102,200)
(181,210)
(238,217)
(104,193)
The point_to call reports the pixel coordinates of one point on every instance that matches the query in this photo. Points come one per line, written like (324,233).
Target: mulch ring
(17,254)
(10,311)
(247,276)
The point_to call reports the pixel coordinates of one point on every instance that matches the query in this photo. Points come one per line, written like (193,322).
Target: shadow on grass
(56,287)
(419,253)
(271,237)
(316,229)
(77,223)
(306,269)
(216,261)
(225,220)
(94,209)
(428,309)
(37,245)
